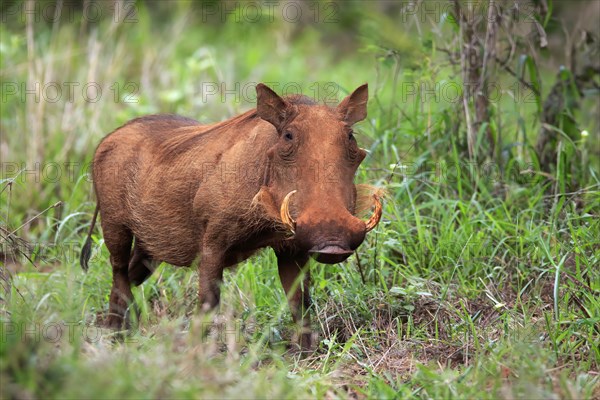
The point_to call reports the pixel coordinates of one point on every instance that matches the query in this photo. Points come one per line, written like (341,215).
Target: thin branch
(362,275)
(57,204)
(513,73)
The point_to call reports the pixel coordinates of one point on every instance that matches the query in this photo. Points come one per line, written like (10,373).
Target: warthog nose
(329,235)
(330,253)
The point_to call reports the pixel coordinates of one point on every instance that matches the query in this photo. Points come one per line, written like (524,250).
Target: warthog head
(311,171)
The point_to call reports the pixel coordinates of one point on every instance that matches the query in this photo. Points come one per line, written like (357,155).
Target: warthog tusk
(374,220)
(285,212)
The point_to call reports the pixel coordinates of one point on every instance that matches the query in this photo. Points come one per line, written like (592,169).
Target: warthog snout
(328,232)
(333,238)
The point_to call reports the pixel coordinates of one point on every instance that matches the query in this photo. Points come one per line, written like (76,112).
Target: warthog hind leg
(118,240)
(141,265)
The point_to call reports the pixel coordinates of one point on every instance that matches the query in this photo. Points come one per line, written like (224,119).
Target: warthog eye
(352,147)
(288,136)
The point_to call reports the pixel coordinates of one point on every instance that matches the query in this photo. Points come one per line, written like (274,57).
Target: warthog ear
(354,107)
(270,106)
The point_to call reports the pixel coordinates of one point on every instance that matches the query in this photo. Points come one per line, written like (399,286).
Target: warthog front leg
(291,268)
(210,275)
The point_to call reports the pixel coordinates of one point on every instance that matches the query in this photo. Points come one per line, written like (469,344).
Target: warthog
(280,175)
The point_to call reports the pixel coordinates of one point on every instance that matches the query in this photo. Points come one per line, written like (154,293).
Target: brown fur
(177,189)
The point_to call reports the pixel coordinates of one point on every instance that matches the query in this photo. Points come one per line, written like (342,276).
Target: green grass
(470,287)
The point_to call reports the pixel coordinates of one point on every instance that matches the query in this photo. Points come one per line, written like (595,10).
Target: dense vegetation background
(482,280)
